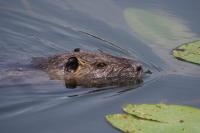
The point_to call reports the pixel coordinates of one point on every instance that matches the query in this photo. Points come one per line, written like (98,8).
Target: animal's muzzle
(138,70)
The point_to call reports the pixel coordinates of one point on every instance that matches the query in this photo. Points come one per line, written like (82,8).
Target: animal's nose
(138,68)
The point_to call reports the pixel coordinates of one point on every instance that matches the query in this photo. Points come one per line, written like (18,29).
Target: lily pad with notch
(157,118)
(189,52)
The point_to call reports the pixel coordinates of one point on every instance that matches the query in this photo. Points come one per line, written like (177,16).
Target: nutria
(92,69)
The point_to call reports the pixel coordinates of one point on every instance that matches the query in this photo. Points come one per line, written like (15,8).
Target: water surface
(30,101)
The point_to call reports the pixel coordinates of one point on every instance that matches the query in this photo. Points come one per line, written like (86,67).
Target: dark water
(30,102)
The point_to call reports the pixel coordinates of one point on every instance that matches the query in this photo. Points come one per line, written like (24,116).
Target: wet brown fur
(117,70)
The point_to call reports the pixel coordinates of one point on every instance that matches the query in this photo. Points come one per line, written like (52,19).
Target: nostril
(138,68)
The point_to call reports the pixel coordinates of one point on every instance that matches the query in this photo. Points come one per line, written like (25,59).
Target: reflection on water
(30,101)
(163,32)
(158,28)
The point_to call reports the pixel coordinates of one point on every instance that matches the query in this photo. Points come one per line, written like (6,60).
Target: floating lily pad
(189,52)
(164,113)
(131,124)
(157,118)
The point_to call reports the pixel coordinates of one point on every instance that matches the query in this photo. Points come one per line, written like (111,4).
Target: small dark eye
(101,65)
(72,64)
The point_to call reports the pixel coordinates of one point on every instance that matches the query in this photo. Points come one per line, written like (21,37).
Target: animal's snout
(139,68)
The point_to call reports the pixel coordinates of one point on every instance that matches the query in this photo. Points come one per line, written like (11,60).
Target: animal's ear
(71,65)
(77,50)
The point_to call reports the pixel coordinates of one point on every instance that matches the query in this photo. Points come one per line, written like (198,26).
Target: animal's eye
(72,64)
(101,65)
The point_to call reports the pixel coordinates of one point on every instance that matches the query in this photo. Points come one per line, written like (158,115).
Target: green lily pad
(164,113)
(157,118)
(130,124)
(189,52)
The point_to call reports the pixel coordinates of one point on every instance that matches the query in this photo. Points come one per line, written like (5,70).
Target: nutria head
(100,69)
